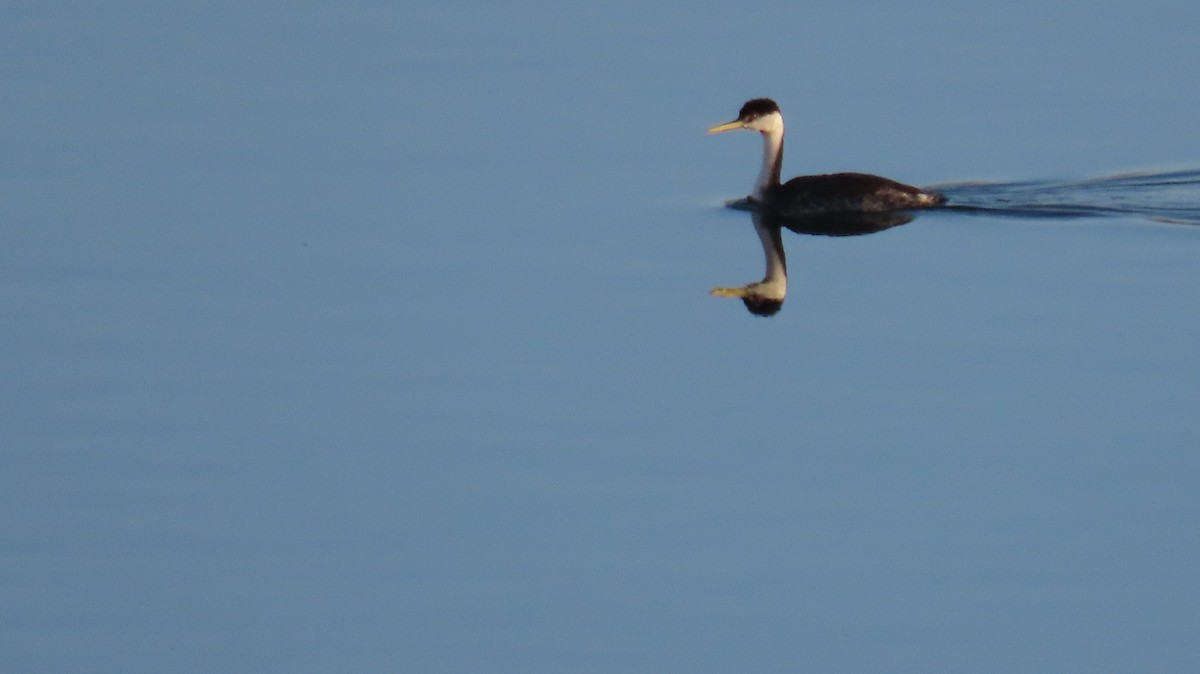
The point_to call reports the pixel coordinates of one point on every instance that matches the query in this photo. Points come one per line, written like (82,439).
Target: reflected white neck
(774,283)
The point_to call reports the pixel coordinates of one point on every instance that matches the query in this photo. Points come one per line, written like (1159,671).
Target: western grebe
(813,195)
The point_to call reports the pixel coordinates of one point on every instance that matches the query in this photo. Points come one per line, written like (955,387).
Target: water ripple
(1162,196)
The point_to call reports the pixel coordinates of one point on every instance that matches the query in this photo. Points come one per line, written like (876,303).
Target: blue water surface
(376,337)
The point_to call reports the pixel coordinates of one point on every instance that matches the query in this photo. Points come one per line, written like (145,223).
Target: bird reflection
(765,297)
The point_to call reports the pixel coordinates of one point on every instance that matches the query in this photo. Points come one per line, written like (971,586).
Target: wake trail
(1164,196)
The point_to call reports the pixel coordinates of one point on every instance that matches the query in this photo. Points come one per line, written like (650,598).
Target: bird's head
(759,114)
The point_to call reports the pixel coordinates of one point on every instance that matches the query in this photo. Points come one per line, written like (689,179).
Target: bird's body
(806,196)
(846,193)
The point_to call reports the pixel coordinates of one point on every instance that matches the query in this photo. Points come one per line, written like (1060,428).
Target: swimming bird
(806,196)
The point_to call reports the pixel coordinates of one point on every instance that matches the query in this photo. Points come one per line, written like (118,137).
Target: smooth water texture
(376,337)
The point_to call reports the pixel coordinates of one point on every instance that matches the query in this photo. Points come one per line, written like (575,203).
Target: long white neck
(771,128)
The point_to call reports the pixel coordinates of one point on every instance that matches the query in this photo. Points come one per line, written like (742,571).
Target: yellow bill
(728,126)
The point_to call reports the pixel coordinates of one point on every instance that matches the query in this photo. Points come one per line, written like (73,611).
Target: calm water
(377,338)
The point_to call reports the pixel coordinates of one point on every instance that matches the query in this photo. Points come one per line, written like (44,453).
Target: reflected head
(762,306)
